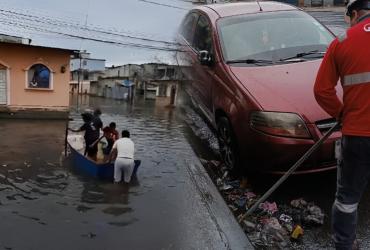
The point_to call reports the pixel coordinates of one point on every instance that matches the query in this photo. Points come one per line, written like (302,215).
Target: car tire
(227,144)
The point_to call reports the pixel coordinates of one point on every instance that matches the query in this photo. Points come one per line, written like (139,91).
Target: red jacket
(347,59)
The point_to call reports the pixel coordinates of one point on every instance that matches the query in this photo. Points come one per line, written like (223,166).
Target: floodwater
(45,204)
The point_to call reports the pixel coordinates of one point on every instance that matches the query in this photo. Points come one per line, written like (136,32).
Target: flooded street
(48,205)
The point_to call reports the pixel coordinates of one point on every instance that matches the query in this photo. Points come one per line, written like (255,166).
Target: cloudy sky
(122,25)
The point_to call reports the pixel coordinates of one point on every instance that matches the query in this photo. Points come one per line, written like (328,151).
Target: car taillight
(279,124)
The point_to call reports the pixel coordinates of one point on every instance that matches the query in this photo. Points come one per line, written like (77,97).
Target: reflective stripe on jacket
(347,59)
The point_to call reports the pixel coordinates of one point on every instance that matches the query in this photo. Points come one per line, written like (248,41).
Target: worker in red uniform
(348,60)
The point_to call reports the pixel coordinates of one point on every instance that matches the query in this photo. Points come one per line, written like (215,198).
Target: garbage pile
(271,226)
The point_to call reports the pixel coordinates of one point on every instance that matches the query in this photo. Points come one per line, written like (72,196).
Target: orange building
(34,79)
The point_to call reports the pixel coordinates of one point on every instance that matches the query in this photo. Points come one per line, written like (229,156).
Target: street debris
(27,164)
(272,226)
(219,182)
(298,203)
(315,215)
(269,208)
(226,187)
(285,218)
(297,232)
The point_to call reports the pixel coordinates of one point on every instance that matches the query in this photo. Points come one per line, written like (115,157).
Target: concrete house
(161,80)
(156,81)
(117,81)
(84,70)
(33,78)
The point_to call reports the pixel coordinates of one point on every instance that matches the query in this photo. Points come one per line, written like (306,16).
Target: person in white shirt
(124,148)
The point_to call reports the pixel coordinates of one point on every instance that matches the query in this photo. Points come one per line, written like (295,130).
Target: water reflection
(38,188)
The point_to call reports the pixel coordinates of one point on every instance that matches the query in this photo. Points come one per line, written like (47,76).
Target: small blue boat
(104,171)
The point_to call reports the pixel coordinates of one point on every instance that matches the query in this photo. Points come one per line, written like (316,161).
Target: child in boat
(125,149)
(111,134)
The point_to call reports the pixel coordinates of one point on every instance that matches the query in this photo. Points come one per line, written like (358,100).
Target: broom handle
(289,172)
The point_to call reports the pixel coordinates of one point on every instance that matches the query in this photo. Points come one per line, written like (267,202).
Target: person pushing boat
(124,148)
(92,132)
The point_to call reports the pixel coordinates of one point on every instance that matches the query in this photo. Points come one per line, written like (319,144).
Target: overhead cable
(137,45)
(162,4)
(55,22)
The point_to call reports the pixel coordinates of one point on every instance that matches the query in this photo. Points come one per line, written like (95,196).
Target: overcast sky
(47,22)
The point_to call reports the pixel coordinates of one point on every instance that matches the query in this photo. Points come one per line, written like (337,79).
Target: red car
(252,67)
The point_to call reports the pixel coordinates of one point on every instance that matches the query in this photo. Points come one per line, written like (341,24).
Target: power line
(86,37)
(86,28)
(137,45)
(162,4)
(23,18)
(186,1)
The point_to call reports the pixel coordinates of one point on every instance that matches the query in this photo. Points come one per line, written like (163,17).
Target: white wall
(88,64)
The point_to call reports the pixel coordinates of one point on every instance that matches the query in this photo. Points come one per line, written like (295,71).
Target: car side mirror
(205,58)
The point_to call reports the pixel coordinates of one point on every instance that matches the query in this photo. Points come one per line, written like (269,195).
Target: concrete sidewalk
(227,232)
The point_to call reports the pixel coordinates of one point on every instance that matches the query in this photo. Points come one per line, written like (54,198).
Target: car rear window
(271,35)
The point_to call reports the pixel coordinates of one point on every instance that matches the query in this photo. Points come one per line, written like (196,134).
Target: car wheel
(227,143)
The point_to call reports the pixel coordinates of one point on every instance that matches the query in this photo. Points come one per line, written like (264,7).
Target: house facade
(85,70)
(117,82)
(153,80)
(161,80)
(33,78)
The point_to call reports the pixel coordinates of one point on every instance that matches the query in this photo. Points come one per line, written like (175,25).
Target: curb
(232,234)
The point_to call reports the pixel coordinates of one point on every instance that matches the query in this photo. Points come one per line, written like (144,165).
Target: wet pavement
(45,204)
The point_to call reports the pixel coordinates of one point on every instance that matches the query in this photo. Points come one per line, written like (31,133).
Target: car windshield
(273,36)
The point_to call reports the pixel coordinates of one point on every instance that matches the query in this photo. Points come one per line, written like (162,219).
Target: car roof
(232,9)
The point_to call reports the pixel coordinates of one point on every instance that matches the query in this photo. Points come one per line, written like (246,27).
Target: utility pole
(78,81)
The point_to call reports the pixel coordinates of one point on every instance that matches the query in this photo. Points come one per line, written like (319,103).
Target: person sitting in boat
(124,148)
(91,135)
(111,134)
